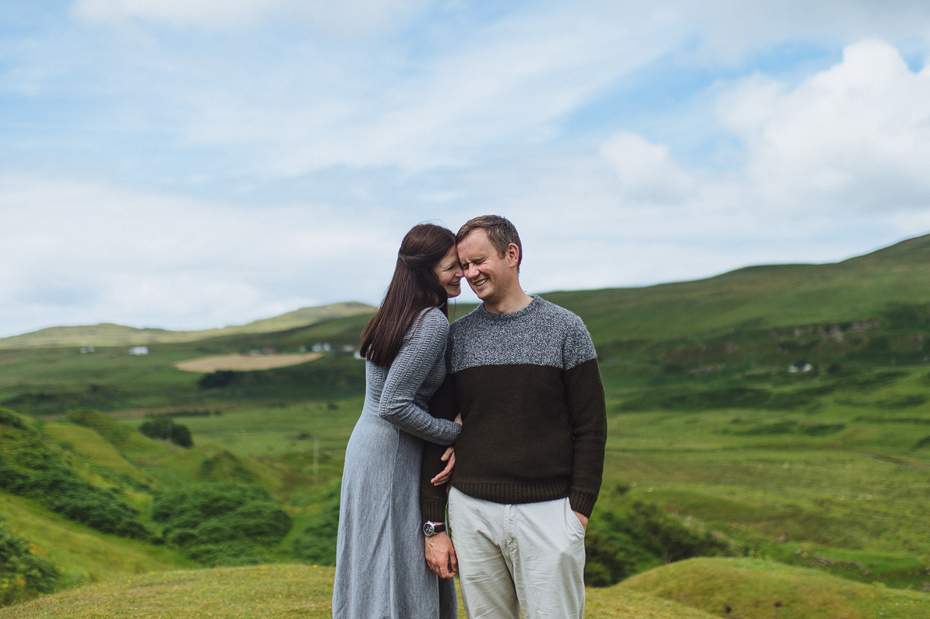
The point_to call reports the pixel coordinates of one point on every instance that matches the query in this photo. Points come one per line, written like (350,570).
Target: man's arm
(584,394)
(433,498)
(440,555)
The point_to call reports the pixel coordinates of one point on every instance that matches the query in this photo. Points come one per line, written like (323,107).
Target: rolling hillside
(760,297)
(119,335)
(775,412)
(756,297)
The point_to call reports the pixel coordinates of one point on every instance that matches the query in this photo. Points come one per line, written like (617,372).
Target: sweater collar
(535,303)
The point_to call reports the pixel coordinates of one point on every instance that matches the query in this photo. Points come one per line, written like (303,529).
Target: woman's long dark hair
(413,288)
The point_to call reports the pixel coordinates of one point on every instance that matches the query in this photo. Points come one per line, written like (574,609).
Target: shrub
(24,571)
(607,560)
(668,537)
(62,491)
(166,429)
(226,466)
(217,380)
(221,523)
(638,537)
(11,419)
(34,471)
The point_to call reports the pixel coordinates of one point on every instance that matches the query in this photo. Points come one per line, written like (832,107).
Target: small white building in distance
(139,350)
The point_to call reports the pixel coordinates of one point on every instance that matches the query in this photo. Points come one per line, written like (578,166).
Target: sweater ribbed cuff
(582,502)
(434,511)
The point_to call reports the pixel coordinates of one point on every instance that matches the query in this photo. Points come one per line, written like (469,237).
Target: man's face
(488,273)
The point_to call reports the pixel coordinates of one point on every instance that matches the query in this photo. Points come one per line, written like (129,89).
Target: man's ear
(513,254)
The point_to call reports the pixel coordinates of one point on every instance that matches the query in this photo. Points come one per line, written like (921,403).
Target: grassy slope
(752,589)
(83,554)
(758,297)
(743,303)
(844,502)
(854,496)
(695,589)
(266,591)
(48,381)
(119,335)
(763,296)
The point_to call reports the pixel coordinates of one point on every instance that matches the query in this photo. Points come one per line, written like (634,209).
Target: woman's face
(449,272)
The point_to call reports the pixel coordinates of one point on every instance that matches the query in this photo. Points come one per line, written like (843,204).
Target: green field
(775,418)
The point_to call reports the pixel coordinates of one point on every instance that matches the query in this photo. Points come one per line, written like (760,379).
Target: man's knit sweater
(533,416)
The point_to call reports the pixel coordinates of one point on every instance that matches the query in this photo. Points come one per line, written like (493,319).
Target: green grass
(694,589)
(757,298)
(755,589)
(228,593)
(118,335)
(266,591)
(825,470)
(83,554)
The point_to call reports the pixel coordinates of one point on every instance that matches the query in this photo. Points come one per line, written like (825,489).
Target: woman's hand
(440,555)
(446,474)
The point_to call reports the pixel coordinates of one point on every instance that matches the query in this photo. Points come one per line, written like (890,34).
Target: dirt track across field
(244,363)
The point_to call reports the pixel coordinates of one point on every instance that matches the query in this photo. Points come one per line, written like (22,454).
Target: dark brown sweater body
(533,415)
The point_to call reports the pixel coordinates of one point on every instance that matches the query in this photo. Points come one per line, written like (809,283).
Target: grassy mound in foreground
(753,589)
(280,591)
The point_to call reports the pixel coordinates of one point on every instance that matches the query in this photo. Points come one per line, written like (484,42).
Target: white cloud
(855,136)
(284,147)
(121,255)
(647,172)
(511,82)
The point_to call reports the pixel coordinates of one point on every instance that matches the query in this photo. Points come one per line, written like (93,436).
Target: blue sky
(197,163)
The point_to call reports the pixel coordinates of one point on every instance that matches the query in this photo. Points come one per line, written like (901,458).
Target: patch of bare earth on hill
(244,363)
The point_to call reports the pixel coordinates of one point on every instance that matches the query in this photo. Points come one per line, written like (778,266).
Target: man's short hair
(500,232)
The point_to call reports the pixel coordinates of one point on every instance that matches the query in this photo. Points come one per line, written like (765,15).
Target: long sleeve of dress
(423,348)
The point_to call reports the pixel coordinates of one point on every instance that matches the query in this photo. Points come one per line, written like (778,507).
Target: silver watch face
(428,529)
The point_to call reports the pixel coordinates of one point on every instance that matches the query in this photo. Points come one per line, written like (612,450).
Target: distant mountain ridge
(759,297)
(763,296)
(108,334)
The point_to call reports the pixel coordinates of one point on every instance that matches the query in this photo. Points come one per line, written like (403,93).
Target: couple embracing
(520,399)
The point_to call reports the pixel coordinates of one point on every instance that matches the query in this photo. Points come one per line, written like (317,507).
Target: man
(530,456)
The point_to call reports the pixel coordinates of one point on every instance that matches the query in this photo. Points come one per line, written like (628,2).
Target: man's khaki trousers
(528,557)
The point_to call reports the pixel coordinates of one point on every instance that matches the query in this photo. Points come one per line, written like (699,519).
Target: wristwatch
(432,528)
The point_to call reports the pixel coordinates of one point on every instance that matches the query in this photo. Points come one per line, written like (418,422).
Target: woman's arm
(422,349)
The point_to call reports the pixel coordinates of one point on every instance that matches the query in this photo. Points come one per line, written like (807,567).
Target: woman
(380,566)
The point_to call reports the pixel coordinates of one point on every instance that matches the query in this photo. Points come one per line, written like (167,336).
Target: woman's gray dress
(381,570)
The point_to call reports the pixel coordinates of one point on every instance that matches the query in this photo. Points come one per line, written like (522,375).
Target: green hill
(266,591)
(696,589)
(98,499)
(762,297)
(757,297)
(775,411)
(755,589)
(119,335)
